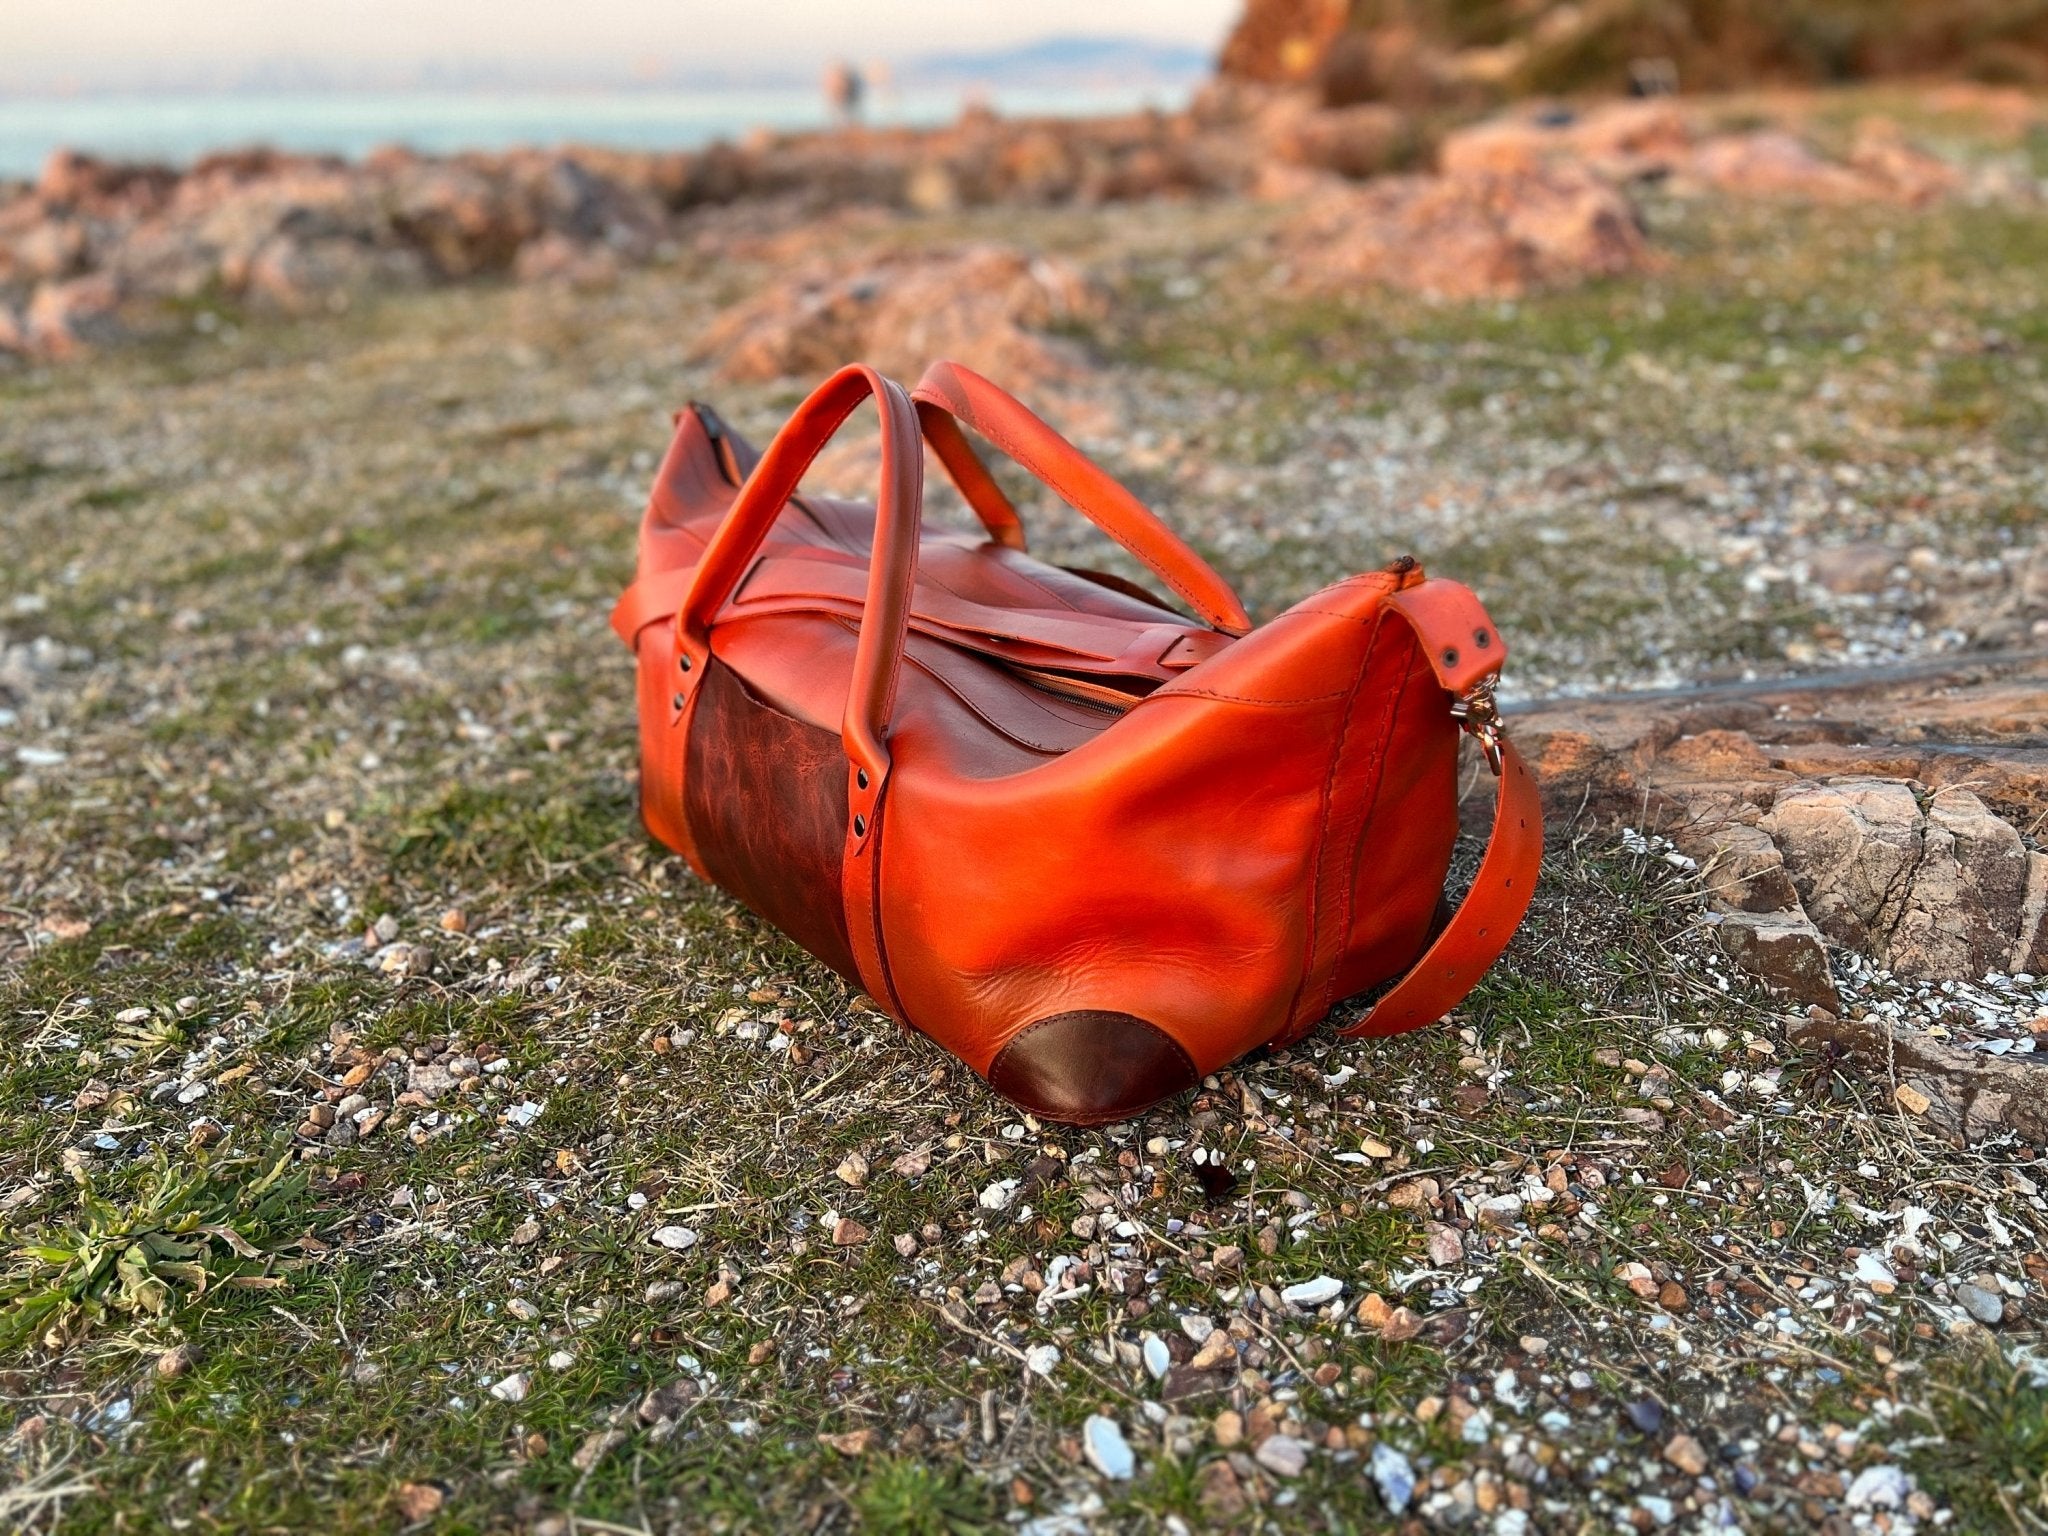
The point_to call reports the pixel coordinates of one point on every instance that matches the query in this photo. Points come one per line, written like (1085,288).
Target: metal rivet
(860,826)
(676,703)
(860,778)
(683,661)
(1481,638)
(1450,655)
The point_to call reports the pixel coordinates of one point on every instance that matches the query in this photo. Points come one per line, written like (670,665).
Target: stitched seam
(1315,884)
(1357,850)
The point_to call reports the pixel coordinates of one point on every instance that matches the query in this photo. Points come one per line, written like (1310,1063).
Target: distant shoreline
(178,128)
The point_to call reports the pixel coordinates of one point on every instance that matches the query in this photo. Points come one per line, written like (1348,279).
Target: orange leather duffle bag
(1090,844)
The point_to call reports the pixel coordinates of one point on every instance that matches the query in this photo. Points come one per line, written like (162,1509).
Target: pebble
(675,1239)
(1686,1454)
(1647,1414)
(1157,1361)
(998,1195)
(522,1309)
(1197,1327)
(513,1388)
(1282,1454)
(561,1360)
(1884,1486)
(1393,1476)
(1987,1307)
(177,1360)
(1040,1359)
(1313,1293)
(1107,1450)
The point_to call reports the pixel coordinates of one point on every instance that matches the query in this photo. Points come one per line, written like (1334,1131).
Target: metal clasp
(1479,713)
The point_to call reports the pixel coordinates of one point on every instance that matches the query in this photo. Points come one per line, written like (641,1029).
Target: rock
(1282,1455)
(853,1170)
(1617,141)
(1770,163)
(1354,141)
(848,1233)
(1199,1329)
(1968,891)
(675,1239)
(177,1361)
(556,258)
(1686,1454)
(1849,846)
(905,1244)
(1786,953)
(1400,1326)
(1393,1476)
(1041,1359)
(1881,155)
(512,1388)
(1983,1305)
(420,1502)
(1106,1449)
(1222,1495)
(1879,1487)
(1741,866)
(1646,1414)
(1217,1349)
(1157,1360)
(1847,568)
(596,1447)
(1313,1293)
(1934,894)
(912,1164)
(856,1442)
(987,307)
(67,319)
(1473,235)
(998,1195)
(667,1402)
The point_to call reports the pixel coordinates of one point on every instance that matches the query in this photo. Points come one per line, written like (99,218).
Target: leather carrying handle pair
(946,395)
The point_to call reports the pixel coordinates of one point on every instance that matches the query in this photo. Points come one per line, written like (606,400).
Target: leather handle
(970,476)
(892,570)
(951,390)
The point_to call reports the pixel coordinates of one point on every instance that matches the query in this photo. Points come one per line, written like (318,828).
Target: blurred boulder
(987,306)
(1480,234)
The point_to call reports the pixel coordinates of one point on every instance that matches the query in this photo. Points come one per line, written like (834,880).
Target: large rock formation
(1851,812)
(1353,50)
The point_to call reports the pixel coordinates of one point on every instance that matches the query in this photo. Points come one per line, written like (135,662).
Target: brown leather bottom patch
(765,795)
(1090,1067)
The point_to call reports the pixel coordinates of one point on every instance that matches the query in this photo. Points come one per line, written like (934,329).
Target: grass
(362,673)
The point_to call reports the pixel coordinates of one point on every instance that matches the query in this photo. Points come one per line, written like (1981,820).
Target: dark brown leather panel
(1091,1067)
(765,796)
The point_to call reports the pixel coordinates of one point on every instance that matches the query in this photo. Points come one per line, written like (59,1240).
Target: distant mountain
(1064,61)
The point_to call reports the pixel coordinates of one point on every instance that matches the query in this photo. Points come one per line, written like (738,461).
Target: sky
(85,43)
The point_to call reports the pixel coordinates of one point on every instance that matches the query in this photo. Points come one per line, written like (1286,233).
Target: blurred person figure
(844,89)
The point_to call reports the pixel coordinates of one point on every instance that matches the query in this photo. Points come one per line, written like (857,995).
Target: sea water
(177,128)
